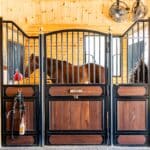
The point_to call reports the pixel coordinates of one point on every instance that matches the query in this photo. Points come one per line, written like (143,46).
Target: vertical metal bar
(1,76)
(117,50)
(78,56)
(62,67)
(132,55)
(56,61)
(42,50)
(110,88)
(121,57)
(89,78)
(100,58)
(138,49)
(143,51)
(149,73)
(67,70)
(13,63)
(72,57)
(127,59)
(8,67)
(115,55)
(149,53)
(84,52)
(17,50)
(94,60)
(34,60)
(51,60)
(23,57)
(29,58)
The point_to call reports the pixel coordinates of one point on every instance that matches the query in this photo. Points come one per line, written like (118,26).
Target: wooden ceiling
(51,15)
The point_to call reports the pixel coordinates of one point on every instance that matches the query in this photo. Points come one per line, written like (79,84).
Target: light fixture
(139,10)
(119,11)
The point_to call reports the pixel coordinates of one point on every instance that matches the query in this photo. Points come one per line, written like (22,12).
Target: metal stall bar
(127,59)
(42,43)
(56,59)
(51,55)
(78,79)
(12,47)
(72,57)
(143,28)
(7,51)
(84,57)
(67,64)
(1,75)
(89,68)
(17,50)
(109,91)
(132,54)
(139,49)
(23,57)
(100,58)
(149,75)
(62,66)
(94,59)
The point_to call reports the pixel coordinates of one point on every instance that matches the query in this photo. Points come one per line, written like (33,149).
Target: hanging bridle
(19,98)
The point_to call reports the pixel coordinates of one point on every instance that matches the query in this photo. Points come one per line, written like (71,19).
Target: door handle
(75,91)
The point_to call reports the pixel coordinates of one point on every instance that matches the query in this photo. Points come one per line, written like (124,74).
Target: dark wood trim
(75,139)
(131,139)
(12,91)
(20,140)
(76,90)
(132,91)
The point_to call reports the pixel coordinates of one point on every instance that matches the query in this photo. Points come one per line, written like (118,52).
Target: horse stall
(131,87)
(75,86)
(20,95)
(76,99)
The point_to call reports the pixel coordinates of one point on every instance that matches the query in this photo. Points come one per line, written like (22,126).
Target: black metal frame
(41,100)
(35,101)
(102,98)
(4,98)
(117,98)
(105,96)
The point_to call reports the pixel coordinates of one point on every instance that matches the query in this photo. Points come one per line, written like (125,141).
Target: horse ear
(32,56)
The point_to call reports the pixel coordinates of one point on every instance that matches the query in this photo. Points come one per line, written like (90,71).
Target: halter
(19,98)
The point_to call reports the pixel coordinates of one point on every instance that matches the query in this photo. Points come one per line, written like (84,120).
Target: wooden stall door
(75,121)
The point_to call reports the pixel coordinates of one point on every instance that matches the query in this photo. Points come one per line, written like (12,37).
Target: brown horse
(140,73)
(64,72)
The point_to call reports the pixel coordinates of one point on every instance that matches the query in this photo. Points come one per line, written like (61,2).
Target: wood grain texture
(20,140)
(86,90)
(75,139)
(29,116)
(132,91)
(75,115)
(131,139)
(12,91)
(131,115)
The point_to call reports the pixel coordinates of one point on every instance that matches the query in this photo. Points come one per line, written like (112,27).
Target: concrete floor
(75,148)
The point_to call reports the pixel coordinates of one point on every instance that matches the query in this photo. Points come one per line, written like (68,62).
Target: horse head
(32,65)
(138,75)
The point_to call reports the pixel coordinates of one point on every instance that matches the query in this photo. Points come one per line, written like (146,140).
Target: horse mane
(137,75)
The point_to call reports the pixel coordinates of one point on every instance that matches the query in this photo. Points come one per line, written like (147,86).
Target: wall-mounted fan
(118,11)
(139,10)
